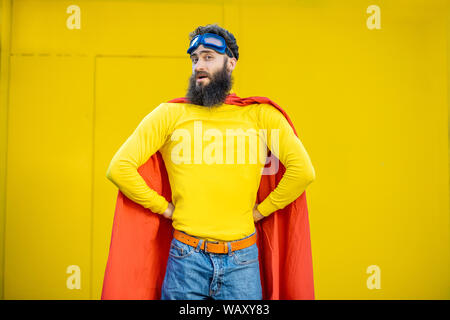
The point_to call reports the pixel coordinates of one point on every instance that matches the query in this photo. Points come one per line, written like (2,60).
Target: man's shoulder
(165,110)
(269,109)
(171,107)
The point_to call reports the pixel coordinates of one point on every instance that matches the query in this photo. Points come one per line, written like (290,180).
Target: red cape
(140,238)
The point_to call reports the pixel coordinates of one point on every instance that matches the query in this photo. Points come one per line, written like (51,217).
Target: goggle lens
(214,42)
(209,40)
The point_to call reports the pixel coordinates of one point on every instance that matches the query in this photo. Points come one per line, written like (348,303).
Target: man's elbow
(311,175)
(112,172)
(304,175)
(119,170)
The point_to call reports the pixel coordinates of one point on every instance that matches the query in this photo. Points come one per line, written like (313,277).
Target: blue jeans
(193,274)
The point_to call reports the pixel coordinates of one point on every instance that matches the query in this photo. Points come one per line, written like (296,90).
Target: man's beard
(214,93)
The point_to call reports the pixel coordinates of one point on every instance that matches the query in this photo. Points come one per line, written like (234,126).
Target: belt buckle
(216,242)
(206,244)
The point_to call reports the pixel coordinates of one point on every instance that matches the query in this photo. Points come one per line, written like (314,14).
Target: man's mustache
(201,74)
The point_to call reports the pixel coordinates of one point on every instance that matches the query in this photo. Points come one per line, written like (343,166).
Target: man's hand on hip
(256,214)
(169,211)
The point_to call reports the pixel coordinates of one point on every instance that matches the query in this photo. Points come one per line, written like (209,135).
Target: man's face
(205,64)
(211,79)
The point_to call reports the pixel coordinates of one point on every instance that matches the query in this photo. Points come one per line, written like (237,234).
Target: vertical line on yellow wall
(448,93)
(91,271)
(5,60)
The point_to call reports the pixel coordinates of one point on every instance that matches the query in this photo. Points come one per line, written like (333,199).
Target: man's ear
(231,64)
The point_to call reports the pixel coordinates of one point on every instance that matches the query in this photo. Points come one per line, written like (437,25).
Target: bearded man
(211,147)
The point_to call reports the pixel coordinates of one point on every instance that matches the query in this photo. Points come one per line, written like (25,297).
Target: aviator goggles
(212,41)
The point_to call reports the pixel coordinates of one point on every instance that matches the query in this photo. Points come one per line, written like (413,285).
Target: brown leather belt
(217,246)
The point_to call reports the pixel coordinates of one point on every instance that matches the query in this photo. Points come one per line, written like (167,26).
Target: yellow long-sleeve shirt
(214,158)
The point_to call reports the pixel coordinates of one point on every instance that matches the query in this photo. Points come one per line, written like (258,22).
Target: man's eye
(209,57)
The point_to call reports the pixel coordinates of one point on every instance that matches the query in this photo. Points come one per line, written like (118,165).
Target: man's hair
(227,35)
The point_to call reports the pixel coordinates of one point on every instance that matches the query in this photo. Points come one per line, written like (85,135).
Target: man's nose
(200,66)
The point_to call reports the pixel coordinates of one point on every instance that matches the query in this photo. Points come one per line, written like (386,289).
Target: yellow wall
(371,107)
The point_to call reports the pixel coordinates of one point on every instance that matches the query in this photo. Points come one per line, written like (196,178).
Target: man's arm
(299,170)
(147,138)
